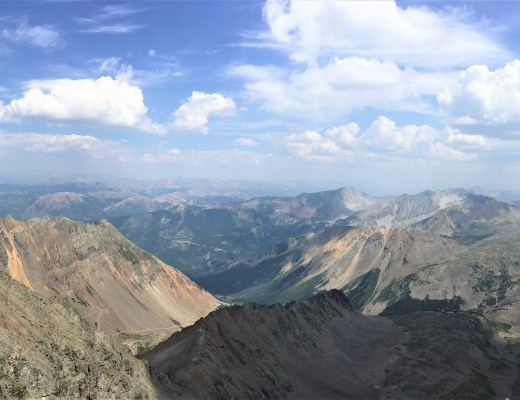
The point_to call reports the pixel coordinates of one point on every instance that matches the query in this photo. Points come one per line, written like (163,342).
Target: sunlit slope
(377,267)
(109,280)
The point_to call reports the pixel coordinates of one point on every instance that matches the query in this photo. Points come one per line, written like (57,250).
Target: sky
(388,97)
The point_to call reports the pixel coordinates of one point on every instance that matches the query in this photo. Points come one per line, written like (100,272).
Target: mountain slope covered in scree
(105,277)
(321,348)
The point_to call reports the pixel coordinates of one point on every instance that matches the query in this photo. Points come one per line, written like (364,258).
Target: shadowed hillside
(321,348)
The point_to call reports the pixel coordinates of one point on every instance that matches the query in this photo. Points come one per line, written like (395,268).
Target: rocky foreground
(48,351)
(321,348)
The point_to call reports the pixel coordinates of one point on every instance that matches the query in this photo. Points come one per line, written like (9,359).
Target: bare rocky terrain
(47,351)
(106,278)
(321,348)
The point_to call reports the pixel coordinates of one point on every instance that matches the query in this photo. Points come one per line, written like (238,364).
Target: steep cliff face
(109,280)
(49,351)
(321,348)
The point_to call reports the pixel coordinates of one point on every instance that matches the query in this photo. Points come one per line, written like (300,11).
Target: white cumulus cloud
(56,143)
(174,152)
(355,55)
(415,35)
(384,138)
(313,146)
(342,85)
(194,113)
(344,134)
(147,157)
(244,142)
(384,134)
(482,96)
(110,65)
(445,152)
(457,137)
(104,101)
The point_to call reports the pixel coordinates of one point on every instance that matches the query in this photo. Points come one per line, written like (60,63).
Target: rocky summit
(321,348)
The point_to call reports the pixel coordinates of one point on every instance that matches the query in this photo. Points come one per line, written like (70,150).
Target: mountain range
(86,200)
(377,250)
(211,238)
(432,282)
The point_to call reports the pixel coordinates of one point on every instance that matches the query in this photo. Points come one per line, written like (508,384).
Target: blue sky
(383,96)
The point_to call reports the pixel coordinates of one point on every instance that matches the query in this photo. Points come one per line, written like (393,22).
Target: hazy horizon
(265,187)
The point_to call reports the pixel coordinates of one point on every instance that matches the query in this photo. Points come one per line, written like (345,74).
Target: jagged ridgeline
(323,349)
(106,278)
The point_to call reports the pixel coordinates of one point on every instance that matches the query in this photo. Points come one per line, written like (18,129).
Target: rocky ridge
(321,348)
(48,351)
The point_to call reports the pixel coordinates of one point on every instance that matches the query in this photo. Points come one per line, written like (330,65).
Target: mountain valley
(212,238)
(377,250)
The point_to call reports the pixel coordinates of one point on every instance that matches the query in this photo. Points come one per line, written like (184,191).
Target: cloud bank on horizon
(385,96)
